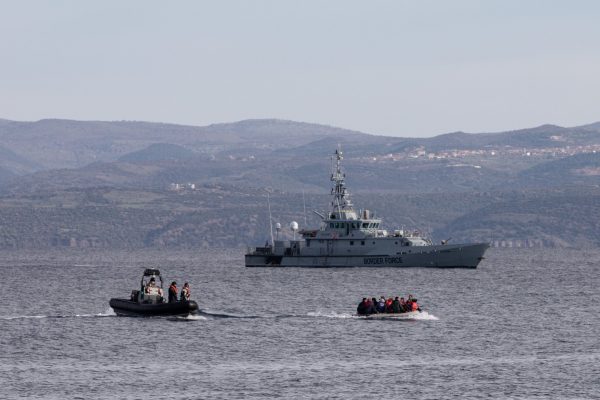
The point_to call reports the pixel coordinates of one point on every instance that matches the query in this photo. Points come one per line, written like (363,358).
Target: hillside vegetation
(138,184)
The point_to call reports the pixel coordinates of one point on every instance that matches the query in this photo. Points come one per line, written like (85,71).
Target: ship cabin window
(362,242)
(332,216)
(365,225)
(337,224)
(377,225)
(343,225)
(352,243)
(307,242)
(331,224)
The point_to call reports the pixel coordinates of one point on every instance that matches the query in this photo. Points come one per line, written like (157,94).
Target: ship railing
(265,250)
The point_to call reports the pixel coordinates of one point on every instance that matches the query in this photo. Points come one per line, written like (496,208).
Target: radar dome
(294,226)
(278,226)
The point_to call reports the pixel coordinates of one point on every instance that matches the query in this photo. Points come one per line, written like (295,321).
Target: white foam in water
(223,314)
(108,313)
(330,314)
(195,318)
(189,317)
(424,316)
(23,317)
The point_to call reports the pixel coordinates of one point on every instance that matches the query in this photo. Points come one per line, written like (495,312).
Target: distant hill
(159,152)
(552,218)
(107,184)
(230,216)
(543,136)
(579,169)
(6,175)
(73,144)
(15,163)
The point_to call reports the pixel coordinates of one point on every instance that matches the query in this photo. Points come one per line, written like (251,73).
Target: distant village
(422,153)
(182,187)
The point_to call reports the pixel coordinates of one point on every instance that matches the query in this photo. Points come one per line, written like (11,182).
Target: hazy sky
(406,68)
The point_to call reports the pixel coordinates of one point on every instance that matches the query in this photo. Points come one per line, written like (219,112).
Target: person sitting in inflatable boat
(396,306)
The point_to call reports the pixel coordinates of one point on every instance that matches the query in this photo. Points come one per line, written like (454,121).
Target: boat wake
(424,316)
(203,315)
(331,314)
(108,313)
(212,314)
(190,317)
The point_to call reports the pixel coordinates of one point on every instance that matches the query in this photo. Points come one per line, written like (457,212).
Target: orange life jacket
(173,289)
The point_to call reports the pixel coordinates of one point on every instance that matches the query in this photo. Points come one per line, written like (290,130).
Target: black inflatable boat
(149,300)
(128,307)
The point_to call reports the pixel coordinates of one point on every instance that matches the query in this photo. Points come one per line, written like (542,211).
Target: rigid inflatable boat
(149,300)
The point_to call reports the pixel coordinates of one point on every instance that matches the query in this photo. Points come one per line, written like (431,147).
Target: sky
(400,68)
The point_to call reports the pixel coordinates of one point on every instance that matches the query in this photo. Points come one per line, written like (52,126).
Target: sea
(524,325)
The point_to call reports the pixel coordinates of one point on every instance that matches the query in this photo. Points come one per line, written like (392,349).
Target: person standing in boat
(173,292)
(152,289)
(186,292)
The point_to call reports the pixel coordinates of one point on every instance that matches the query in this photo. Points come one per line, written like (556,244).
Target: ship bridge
(343,220)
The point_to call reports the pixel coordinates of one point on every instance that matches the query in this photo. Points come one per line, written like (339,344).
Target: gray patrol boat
(348,238)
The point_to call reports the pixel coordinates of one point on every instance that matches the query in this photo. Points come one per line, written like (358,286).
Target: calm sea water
(526,324)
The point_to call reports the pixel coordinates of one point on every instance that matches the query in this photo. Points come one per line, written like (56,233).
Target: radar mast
(341,197)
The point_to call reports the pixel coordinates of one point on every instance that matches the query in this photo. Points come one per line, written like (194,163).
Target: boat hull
(446,256)
(403,315)
(127,307)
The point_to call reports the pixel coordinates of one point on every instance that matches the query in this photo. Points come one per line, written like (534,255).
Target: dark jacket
(396,307)
(172,294)
(362,308)
(371,308)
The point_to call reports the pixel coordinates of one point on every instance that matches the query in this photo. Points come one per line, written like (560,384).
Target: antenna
(319,214)
(270,218)
(304,203)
